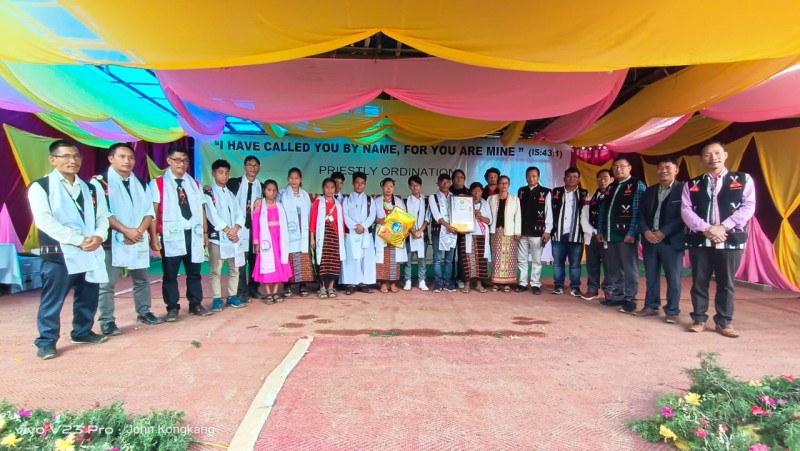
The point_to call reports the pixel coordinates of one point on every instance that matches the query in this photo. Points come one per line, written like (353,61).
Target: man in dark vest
(662,241)
(247,189)
(618,226)
(537,220)
(595,250)
(716,207)
(567,235)
(72,226)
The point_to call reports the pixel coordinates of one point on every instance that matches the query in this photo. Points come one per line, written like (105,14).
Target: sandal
(506,289)
(393,288)
(495,288)
(269,299)
(465,289)
(322,293)
(303,292)
(481,290)
(383,288)
(331,293)
(277,298)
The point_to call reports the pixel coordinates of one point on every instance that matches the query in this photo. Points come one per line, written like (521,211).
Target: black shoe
(350,289)
(610,303)
(47,352)
(536,290)
(519,289)
(253,293)
(628,307)
(89,339)
(172,316)
(199,310)
(110,329)
(364,289)
(149,319)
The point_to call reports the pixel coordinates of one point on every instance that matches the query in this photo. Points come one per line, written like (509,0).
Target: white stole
(298,225)
(266,248)
(65,210)
(128,210)
(380,244)
(481,228)
(441,202)
(356,206)
(417,208)
(173,223)
(320,231)
(227,209)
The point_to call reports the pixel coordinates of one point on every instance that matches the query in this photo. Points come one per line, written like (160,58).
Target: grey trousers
(623,270)
(141,292)
(723,264)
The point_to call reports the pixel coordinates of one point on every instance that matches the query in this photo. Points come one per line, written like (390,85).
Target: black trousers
(56,284)
(246,281)
(170,266)
(723,264)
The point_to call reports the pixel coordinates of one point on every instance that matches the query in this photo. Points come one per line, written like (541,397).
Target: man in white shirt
(567,237)
(247,190)
(130,210)
(179,230)
(358,269)
(443,236)
(226,223)
(71,233)
(418,206)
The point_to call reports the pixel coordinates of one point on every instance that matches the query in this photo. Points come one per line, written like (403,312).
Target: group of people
(276,241)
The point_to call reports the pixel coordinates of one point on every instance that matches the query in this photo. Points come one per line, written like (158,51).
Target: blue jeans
(442,280)
(657,256)
(561,251)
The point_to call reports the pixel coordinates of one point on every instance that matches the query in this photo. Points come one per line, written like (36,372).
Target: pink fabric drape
(314,88)
(8,234)
(758,262)
(107,129)
(648,135)
(11,99)
(775,98)
(573,124)
(198,123)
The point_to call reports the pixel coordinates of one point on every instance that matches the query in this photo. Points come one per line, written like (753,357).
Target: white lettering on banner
(318,158)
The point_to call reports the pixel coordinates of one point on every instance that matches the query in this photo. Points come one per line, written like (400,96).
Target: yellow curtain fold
(779,154)
(683,92)
(698,129)
(601,35)
(512,133)
(153,171)
(589,174)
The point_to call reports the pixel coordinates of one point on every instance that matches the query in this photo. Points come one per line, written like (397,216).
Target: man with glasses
(179,230)
(72,226)
(618,226)
(247,190)
(130,210)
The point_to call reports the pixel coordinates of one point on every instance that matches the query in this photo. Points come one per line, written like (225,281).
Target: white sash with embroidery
(128,210)
(266,248)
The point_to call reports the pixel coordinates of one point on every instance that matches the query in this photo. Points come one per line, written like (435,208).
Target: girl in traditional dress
(388,257)
(473,250)
(505,228)
(271,243)
(327,237)
(297,204)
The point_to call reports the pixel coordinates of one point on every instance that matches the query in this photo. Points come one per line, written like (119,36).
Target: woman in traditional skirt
(506,228)
(388,257)
(271,239)
(473,250)
(297,204)
(327,237)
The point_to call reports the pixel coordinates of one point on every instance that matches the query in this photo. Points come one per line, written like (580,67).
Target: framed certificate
(462,213)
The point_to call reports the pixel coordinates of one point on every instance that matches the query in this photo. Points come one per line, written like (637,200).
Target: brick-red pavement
(435,374)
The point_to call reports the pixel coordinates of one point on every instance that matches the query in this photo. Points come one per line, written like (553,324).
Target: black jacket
(670,222)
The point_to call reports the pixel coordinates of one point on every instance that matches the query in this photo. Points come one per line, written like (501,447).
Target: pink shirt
(737,220)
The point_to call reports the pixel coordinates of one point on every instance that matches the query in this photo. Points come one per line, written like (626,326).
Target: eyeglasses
(253,165)
(180,160)
(70,156)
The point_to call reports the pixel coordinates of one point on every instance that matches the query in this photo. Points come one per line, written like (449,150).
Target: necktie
(127,184)
(248,221)
(183,201)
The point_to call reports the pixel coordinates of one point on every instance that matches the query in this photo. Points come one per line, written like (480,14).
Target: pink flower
(767,400)
(789,378)
(24,413)
(703,422)
(702,433)
(782,402)
(723,427)
(46,428)
(758,411)
(759,447)
(666,412)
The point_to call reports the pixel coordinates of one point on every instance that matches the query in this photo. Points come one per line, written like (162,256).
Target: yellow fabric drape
(589,174)
(735,153)
(71,129)
(681,93)
(402,122)
(696,130)
(579,35)
(779,153)
(512,132)
(153,171)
